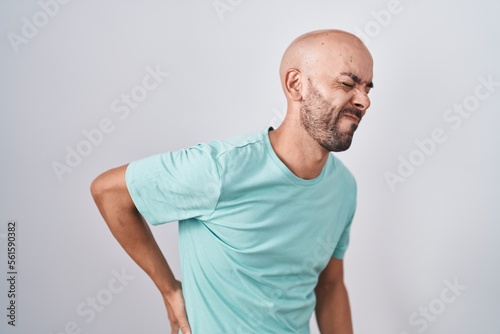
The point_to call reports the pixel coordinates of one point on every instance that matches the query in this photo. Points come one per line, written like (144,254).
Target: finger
(185,329)
(183,323)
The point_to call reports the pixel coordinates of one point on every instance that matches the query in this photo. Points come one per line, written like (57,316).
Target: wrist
(171,289)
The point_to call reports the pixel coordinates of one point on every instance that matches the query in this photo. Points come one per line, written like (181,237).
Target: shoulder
(235,145)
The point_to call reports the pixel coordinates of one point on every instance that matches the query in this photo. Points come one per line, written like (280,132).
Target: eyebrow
(356,79)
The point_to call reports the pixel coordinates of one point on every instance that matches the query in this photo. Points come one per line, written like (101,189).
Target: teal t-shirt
(253,236)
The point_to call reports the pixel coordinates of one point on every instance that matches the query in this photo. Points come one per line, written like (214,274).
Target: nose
(361,101)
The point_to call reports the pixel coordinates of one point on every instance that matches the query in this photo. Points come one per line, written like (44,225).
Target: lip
(352,117)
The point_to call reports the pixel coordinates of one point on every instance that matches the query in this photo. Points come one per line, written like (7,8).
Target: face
(330,126)
(332,118)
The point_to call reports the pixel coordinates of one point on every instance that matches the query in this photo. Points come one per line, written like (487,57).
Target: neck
(297,150)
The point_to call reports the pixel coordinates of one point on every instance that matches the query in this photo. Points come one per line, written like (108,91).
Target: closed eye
(347,84)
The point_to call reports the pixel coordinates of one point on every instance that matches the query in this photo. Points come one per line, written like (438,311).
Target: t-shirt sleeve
(343,243)
(175,186)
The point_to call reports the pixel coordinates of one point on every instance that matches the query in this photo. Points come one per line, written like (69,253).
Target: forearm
(132,232)
(134,235)
(333,312)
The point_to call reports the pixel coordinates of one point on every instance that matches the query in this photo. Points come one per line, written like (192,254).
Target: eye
(348,84)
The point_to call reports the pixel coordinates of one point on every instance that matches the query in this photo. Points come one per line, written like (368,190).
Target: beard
(321,121)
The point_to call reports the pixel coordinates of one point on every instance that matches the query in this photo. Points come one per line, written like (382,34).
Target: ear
(293,84)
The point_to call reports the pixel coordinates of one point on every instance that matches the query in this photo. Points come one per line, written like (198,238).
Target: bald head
(316,53)
(326,76)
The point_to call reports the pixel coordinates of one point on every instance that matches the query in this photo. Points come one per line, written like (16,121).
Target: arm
(333,312)
(111,196)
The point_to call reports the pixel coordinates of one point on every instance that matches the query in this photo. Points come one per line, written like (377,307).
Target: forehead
(344,59)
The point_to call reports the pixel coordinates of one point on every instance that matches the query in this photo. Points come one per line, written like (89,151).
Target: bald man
(264,218)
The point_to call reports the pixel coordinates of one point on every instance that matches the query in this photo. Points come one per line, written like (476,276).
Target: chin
(341,149)
(338,145)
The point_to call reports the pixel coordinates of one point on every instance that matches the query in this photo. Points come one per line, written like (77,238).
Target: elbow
(97,188)
(100,187)
(109,189)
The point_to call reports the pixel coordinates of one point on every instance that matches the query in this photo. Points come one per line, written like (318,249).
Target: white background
(440,224)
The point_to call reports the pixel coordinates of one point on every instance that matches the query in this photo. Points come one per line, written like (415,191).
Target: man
(264,219)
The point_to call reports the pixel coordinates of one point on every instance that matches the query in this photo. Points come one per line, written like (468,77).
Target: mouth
(352,117)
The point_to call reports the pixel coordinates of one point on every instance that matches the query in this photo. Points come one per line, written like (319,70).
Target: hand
(176,310)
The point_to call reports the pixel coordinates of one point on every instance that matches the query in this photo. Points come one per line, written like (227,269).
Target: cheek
(345,100)
(339,100)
